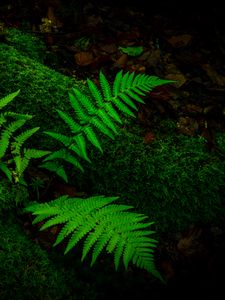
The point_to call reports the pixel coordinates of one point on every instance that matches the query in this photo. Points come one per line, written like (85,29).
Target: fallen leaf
(121,61)
(84,58)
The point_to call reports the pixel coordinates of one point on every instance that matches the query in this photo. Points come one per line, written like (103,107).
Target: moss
(42,90)
(12,195)
(26,43)
(25,269)
(174,180)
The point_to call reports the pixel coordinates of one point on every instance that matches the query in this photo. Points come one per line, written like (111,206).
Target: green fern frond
(91,136)
(2,119)
(65,140)
(65,155)
(21,138)
(7,133)
(102,225)
(7,99)
(106,89)
(101,109)
(117,83)
(34,153)
(55,167)
(101,127)
(80,112)
(74,126)
(4,168)
(17,115)
(96,94)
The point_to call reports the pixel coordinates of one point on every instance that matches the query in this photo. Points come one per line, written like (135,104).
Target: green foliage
(14,159)
(105,225)
(100,110)
(27,44)
(25,269)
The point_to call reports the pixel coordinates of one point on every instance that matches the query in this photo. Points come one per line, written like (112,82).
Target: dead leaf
(121,61)
(84,58)
(109,48)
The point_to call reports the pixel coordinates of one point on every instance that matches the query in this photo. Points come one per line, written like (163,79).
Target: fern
(14,159)
(7,99)
(99,111)
(101,225)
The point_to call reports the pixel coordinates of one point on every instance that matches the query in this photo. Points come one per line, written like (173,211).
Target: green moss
(12,195)
(42,90)
(25,270)
(26,43)
(174,180)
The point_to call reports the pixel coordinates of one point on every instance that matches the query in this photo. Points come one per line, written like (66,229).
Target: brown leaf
(121,61)
(84,58)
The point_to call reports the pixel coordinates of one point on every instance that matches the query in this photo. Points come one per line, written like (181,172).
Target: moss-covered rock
(42,90)
(25,269)
(174,180)
(27,44)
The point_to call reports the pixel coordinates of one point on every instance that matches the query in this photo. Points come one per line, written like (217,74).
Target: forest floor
(190,49)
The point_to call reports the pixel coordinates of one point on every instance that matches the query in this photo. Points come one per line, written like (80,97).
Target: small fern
(13,158)
(100,111)
(101,225)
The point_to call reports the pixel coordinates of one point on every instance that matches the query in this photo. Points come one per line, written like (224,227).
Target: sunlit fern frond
(103,226)
(7,99)
(22,160)
(20,139)
(99,110)
(4,168)
(7,133)
(14,158)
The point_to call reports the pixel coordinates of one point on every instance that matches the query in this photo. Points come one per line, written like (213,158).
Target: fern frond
(80,112)
(96,94)
(101,127)
(122,107)
(101,109)
(55,167)
(7,133)
(2,119)
(7,99)
(64,155)
(65,140)
(74,126)
(21,165)
(91,136)
(4,168)
(21,138)
(102,225)
(17,115)
(106,89)
(117,83)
